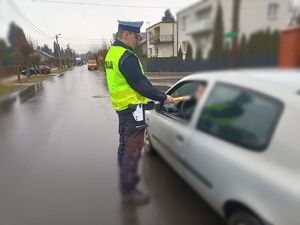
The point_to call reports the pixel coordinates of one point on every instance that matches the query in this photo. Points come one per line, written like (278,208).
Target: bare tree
(35,60)
(20,47)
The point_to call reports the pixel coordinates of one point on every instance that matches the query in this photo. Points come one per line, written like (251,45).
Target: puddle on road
(7,103)
(19,97)
(30,92)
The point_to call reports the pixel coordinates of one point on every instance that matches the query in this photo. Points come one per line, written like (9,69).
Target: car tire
(148,148)
(243,218)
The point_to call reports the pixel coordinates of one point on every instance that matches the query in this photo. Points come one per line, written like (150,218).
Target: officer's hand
(169,100)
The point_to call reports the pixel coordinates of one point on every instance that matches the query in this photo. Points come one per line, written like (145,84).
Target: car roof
(274,81)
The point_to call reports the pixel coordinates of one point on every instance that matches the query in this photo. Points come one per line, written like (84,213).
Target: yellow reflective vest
(120,92)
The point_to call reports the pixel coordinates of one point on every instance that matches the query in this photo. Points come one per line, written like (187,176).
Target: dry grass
(32,79)
(12,86)
(59,70)
(8,88)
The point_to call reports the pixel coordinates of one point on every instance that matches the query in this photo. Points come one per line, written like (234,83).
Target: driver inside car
(184,107)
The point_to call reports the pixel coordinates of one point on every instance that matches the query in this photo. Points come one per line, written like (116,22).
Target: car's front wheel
(148,148)
(243,218)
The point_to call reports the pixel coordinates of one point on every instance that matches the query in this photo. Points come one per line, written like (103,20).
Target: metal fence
(177,65)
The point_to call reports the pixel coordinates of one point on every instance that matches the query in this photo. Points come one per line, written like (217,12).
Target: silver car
(235,138)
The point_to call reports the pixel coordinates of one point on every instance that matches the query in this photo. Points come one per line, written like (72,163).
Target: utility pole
(56,36)
(235,30)
(69,53)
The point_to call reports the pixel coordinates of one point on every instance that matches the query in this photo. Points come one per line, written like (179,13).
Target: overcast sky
(77,23)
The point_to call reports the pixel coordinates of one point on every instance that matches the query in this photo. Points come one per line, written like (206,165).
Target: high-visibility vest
(121,93)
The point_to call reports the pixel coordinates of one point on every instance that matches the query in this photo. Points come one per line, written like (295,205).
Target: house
(45,58)
(196,22)
(162,40)
(141,50)
(143,44)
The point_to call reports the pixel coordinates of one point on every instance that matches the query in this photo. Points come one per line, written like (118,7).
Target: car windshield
(92,61)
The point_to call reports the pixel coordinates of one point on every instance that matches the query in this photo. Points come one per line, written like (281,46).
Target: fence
(8,70)
(177,65)
(290,48)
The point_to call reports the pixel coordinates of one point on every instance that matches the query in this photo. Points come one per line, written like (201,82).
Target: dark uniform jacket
(130,68)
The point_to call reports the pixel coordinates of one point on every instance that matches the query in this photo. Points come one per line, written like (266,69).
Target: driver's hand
(170,100)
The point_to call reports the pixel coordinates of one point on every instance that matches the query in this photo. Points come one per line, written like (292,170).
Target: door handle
(179,137)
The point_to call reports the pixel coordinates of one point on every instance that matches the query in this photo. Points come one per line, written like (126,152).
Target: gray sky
(77,23)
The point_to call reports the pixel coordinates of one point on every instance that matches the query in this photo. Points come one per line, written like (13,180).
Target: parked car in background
(238,144)
(92,65)
(42,69)
(28,71)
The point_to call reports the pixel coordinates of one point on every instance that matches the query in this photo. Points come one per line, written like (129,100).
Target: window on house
(273,11)
(150,34)
(185,21)
(150,51)
(204,13)
(184,45)
(156,51)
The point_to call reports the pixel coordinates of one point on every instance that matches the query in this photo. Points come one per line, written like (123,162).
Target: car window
(240,116)
(187,94)
(186,89)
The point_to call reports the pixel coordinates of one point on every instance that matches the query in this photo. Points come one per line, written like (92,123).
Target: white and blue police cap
(131,26)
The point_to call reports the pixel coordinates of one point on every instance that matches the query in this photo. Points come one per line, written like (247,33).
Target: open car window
(187,95)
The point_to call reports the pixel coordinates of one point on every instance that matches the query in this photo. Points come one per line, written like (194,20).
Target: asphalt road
(58,162)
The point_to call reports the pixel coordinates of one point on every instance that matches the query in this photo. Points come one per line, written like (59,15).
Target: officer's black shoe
(136,197)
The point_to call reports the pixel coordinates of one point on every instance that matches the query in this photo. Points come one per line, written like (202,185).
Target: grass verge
(59,70)
(8,88)
(32,79)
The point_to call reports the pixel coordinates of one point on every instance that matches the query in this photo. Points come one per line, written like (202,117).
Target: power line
(27,21)
(44,39)
(43,34)
(84,39)
(101,4)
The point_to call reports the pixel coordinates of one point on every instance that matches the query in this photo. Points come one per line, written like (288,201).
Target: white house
(143,44)
(162,40)
(196,22)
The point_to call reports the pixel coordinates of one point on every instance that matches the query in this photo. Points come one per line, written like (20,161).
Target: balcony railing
(161,39)
(199,26)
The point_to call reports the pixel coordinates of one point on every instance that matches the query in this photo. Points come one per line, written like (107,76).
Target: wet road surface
(58,162)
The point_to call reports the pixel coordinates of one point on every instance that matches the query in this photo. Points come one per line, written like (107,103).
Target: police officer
(128,86)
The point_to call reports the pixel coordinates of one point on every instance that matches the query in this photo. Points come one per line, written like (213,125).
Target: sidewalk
(11,79)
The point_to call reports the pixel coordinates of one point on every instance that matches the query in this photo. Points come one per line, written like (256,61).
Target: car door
(170,130)
(235,125)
